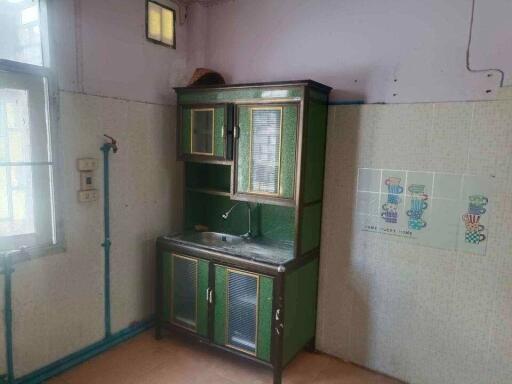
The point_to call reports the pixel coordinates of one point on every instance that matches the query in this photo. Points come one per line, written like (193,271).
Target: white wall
(424,315)
(420,44)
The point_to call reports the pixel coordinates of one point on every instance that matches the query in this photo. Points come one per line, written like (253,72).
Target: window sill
(28,254)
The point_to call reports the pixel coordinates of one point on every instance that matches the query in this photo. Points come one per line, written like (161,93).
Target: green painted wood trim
(166,285)
(219,326)
(202,303)
(186,126)
(315,151)
(266,285)
(218,128)
(288,151)
(300,308)
(243,143)
(245,94)
(310,227)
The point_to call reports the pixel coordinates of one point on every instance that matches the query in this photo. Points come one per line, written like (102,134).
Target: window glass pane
(25,207)
(167,26)
(26,198)
(265,149)
(20,39)
(154,21)
(23,130)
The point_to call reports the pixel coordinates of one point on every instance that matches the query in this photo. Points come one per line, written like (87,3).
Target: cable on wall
(468,54)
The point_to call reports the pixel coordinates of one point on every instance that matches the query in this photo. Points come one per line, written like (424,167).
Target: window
(27,201)
(160,24)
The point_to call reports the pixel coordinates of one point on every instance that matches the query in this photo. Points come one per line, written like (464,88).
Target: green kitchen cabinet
(185,301)
(203,133)
(266,150)
(243,311)
(245,273)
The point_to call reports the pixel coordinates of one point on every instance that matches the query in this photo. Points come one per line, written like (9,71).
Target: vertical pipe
(7,271)
(106,243)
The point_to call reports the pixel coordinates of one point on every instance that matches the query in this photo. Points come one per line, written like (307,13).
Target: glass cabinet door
(243,311)
(203,132)
(266,149)
(185,292)
(242,298)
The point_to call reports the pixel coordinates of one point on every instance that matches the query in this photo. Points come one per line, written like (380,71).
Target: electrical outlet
(86,181)
(87,164)
(88,196)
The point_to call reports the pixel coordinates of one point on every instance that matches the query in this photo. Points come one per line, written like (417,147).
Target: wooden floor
(143,360)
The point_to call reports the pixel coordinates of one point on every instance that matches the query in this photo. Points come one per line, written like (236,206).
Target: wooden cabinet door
(266,145)
(185,296)
(204,131)
(243,311)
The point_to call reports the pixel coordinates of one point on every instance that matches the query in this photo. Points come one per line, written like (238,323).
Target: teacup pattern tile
(418,206)
(390,208)
(471,219)
(432,209)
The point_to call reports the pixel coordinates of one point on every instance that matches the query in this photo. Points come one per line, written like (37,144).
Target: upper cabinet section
(272,135)
(203,133)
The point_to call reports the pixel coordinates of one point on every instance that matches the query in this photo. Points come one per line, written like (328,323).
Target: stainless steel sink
(254,248)
(218,238)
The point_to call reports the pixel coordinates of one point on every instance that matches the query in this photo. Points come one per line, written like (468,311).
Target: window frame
(159,42)
(46,72)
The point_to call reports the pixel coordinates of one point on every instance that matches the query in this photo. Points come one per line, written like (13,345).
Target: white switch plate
(87,164)
(88,196)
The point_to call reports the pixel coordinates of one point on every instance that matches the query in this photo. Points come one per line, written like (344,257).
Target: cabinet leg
(310,346)
(278,375)
(158,332)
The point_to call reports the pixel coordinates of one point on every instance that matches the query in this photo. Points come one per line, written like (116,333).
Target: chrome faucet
(225,216)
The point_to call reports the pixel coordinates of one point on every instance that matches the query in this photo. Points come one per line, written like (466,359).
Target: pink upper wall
(372,50)
(100,48)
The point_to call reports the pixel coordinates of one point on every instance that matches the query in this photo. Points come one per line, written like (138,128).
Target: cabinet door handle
(278,314)
(222,132)
(210,296)
(236,131)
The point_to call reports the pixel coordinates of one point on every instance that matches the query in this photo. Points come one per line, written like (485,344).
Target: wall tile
(421,314)
(58,300)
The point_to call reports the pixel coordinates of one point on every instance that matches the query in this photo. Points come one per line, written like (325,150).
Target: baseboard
(84,354)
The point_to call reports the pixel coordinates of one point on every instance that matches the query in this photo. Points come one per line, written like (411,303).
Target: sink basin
(218,238)
(255,248)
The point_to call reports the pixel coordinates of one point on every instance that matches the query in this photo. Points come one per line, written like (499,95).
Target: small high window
(161,24)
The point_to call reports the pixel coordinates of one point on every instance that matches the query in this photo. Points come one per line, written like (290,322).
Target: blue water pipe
(7,271)
(111,144)
(86,353)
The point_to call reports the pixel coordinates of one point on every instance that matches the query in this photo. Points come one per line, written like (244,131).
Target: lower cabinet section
(243,311)
(240,301)
(267,318)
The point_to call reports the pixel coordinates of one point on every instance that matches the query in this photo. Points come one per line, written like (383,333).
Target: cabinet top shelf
(307,83)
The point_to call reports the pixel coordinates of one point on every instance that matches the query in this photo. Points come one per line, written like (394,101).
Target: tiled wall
(420,314)
(58,299)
